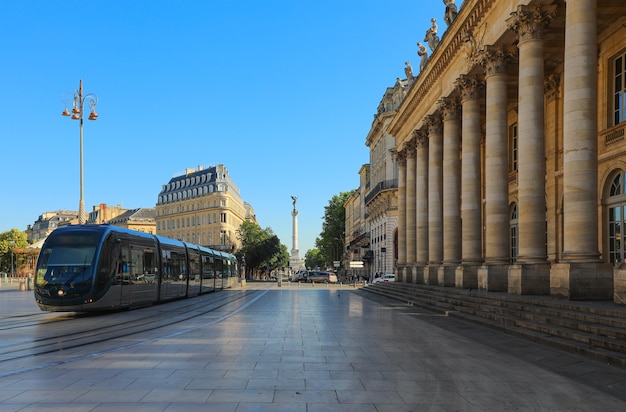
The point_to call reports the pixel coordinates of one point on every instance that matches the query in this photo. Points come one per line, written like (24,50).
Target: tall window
(616,216)
(513,148)
(514,232)
(619,102)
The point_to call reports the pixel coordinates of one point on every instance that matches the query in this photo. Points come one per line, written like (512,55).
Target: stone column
(421,211)
(471,89)
(401,212)
(581,275)
(531,273)
(435,198)
(450,109)
(410,209)
(493,275)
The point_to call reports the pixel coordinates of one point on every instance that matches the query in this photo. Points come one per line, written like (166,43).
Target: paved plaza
(310,349)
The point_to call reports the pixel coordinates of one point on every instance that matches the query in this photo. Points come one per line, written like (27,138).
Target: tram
(83,268)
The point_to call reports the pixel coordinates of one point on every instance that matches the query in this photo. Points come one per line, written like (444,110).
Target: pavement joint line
(132,345)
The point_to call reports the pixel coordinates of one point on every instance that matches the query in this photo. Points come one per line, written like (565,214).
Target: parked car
(301,275)
(385,278)
(322,277)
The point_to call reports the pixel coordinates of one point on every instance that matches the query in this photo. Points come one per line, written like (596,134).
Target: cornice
(451,47)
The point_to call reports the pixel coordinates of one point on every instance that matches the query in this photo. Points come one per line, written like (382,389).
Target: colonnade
(454,191)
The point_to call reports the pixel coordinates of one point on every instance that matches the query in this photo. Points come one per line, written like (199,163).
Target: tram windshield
(67,260)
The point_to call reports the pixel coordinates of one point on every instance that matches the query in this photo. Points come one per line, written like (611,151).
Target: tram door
(137,274)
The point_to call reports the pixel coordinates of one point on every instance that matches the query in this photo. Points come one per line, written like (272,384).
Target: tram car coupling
(92,268)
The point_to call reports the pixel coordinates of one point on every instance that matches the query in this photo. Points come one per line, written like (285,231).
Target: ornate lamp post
(77,114)
(12,242)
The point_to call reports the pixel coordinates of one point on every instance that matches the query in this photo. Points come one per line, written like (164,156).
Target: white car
(385,278)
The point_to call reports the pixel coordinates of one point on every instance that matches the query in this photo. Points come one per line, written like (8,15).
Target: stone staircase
(595,329)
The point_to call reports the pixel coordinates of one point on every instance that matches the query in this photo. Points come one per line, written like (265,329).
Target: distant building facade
(48,221)
(202,206)
(141,219)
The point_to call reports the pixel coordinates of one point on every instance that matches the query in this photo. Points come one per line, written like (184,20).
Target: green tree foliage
(261,248)
(332,238)
(313,259)
(19,239)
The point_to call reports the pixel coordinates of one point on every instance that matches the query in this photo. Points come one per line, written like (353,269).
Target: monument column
(401,212)
(295,262)
(471,89)
(582,275)
(421,207)
(410,210)
(493,275)
(531,273)
(449,107)
(435,198)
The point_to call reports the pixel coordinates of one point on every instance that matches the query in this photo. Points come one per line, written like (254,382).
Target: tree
(331,241)
(260,248)
(19,239)
(313,259)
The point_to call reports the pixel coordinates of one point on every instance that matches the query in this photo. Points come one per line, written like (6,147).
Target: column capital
(433,122)
(449,107)
(421,137)
(551,85)
(470,87)
(529,22)
(401,157)
(494,59)
(410,148)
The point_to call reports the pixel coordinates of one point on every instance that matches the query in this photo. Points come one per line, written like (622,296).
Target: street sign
(356,264)
(336,263)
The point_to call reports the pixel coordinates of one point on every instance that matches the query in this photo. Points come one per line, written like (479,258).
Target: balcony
(381,187)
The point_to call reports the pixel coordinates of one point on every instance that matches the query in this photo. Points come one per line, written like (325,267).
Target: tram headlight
(61,292)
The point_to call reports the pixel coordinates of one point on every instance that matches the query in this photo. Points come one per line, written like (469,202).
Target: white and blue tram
(101,267)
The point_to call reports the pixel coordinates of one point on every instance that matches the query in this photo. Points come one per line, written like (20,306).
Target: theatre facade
(511,151)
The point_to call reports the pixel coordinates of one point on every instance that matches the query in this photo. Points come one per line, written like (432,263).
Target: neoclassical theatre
(511,151)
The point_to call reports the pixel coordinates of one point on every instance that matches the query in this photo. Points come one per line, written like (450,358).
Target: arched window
(616,212)
(514,233)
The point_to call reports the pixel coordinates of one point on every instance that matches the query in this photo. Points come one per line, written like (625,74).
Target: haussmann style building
(202,206)
(511,150)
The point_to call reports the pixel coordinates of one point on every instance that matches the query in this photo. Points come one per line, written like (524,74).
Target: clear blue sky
(282,92)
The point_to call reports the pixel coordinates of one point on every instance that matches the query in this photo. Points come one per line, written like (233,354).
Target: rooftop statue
(431,35)
(408,71)
(451,11)
(423,53)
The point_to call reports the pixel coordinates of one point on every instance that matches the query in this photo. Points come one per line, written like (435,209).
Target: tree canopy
(260,248)
(20,240)
(331,241)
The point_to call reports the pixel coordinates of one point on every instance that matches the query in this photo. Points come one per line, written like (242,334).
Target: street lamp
(77,114)
(12,242)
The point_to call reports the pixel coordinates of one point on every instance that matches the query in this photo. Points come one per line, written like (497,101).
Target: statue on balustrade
(431,35)
(451,11)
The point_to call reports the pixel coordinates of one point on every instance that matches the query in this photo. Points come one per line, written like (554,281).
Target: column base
(582,281)
(446,275)
(529,279)
(466,277)
(419,275)
(493,278)
(431,275)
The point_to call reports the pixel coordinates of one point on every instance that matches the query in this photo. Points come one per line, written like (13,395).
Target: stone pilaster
(435,196)
(472,90)
(530,275)
(493,275)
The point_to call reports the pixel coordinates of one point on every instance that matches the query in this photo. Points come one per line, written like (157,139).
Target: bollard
(22,285)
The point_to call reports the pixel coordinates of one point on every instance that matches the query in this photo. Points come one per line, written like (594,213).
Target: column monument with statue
(295,262)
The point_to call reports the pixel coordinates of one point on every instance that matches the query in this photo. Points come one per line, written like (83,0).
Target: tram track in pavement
(26,336)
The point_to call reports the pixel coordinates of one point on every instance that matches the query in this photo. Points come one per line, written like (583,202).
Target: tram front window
(67,261)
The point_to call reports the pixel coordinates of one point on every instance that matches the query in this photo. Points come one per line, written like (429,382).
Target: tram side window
(207,267)
(194,266)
